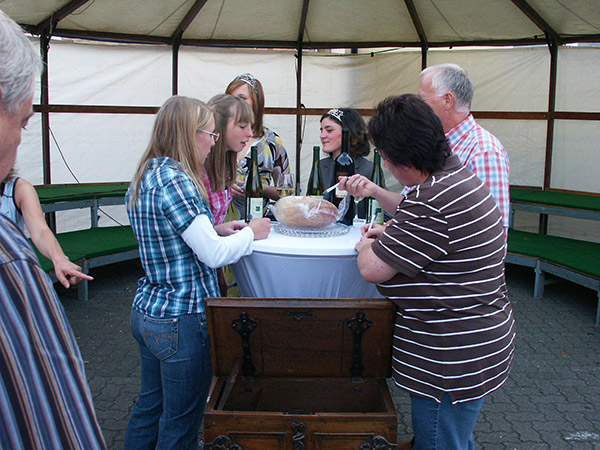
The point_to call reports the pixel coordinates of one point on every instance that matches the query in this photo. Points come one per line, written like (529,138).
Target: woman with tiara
(272,157)
(332,123)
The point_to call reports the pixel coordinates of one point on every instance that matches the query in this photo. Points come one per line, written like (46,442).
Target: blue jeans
(444,426)
(176,376)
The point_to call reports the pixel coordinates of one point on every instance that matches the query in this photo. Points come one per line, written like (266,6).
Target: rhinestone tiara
(250,80)
(337,113)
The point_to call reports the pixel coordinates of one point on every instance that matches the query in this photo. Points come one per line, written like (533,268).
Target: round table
(313,267)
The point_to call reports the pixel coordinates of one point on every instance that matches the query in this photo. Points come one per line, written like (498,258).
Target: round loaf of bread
(305,212)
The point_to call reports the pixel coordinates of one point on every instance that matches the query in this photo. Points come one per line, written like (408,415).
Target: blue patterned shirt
(176,282)
(45,401)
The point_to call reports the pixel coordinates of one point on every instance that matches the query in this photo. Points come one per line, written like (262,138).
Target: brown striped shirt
(454,328)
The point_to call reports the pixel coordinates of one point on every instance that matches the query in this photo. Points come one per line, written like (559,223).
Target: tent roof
(314,23)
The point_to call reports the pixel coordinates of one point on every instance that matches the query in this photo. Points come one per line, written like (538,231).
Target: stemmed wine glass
(286,184)
(356,220)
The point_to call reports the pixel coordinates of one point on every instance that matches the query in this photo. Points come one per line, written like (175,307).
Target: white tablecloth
(286,266)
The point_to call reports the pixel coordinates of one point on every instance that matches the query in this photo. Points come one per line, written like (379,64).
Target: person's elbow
(372,275)
(373,269)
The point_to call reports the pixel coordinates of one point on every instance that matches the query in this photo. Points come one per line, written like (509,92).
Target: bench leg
(82,286)
(598,311)
(540,279)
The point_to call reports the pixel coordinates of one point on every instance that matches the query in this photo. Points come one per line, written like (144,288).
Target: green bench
(94,247)
(571,259)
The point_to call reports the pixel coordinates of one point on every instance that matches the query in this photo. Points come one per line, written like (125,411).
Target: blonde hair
(173,136)
(221,163)
(258,103)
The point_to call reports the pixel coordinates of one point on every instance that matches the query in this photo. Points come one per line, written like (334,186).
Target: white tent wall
(106,147)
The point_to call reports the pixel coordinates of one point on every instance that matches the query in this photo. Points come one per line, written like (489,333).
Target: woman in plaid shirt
(180,249)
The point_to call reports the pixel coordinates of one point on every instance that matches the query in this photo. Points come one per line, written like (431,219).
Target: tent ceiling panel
(344,21)
(474,20)
(132,16)
(264,22)
(570,17)
(255,20)
(30,12)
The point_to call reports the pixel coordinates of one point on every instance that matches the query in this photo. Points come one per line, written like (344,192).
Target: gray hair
(19,63)
(452,78)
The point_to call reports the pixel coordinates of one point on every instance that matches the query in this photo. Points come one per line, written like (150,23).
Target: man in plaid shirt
(448,90)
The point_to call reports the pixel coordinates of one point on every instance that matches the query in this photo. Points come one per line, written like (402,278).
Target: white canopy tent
(541,98)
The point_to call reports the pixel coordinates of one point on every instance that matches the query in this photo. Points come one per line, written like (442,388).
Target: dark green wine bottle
(374,209)
(254,189)
(315,180)
(344,167)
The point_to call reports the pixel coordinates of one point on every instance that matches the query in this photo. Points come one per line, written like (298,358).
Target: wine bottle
(254,189)
(374,208)
(344,167)
(315,180)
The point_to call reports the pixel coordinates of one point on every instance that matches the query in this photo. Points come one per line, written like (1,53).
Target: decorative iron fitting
(222,442)
(358,325)
(298,435)
(378,443)
(244,326)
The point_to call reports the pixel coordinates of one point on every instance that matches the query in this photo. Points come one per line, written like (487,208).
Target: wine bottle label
(376,210)
(254,208)
(340,193)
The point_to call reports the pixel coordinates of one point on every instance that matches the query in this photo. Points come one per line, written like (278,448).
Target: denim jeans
(176,376)
(444,426)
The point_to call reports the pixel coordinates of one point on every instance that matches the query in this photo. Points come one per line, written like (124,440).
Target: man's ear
(448,99)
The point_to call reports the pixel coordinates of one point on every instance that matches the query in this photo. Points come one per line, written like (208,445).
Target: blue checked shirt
(176,282)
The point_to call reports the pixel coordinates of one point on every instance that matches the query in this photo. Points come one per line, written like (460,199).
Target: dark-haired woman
(441,261)
(332,123)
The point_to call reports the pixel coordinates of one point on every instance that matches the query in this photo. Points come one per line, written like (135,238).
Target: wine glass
(356,220)
(286,184)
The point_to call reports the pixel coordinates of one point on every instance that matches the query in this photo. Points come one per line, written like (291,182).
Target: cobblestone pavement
(551,401)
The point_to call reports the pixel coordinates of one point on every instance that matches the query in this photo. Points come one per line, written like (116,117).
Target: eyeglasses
(215,136)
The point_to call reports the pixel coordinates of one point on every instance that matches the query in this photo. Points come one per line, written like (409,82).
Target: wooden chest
(293,374)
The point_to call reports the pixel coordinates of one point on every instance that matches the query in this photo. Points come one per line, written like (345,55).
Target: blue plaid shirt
(176,282)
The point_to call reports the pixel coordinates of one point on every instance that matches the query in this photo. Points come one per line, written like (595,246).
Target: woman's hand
(374,232)
(364,242)
(69,273)
(261,227)
(228,228)
(238,191)
(358,186)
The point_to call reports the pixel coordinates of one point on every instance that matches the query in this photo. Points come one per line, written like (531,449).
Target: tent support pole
(45,100)
(553,48)
(175,68)
(299,107)
(44,47)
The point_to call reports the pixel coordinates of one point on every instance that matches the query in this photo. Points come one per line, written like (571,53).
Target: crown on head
(337,113)
(249,79)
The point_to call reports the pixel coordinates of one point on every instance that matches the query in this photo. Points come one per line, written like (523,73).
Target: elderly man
(448,90)
(45,401)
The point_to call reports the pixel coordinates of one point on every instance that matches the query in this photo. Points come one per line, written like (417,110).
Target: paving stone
(550,402)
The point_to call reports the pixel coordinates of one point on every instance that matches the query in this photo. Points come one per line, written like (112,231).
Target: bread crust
(296,211)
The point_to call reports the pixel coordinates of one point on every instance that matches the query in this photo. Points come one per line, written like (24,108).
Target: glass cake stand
(334,229)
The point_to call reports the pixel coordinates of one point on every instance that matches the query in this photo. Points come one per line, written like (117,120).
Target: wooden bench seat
(574,260)
(94,247)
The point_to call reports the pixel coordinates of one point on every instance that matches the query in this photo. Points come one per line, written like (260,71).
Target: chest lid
(300,337)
